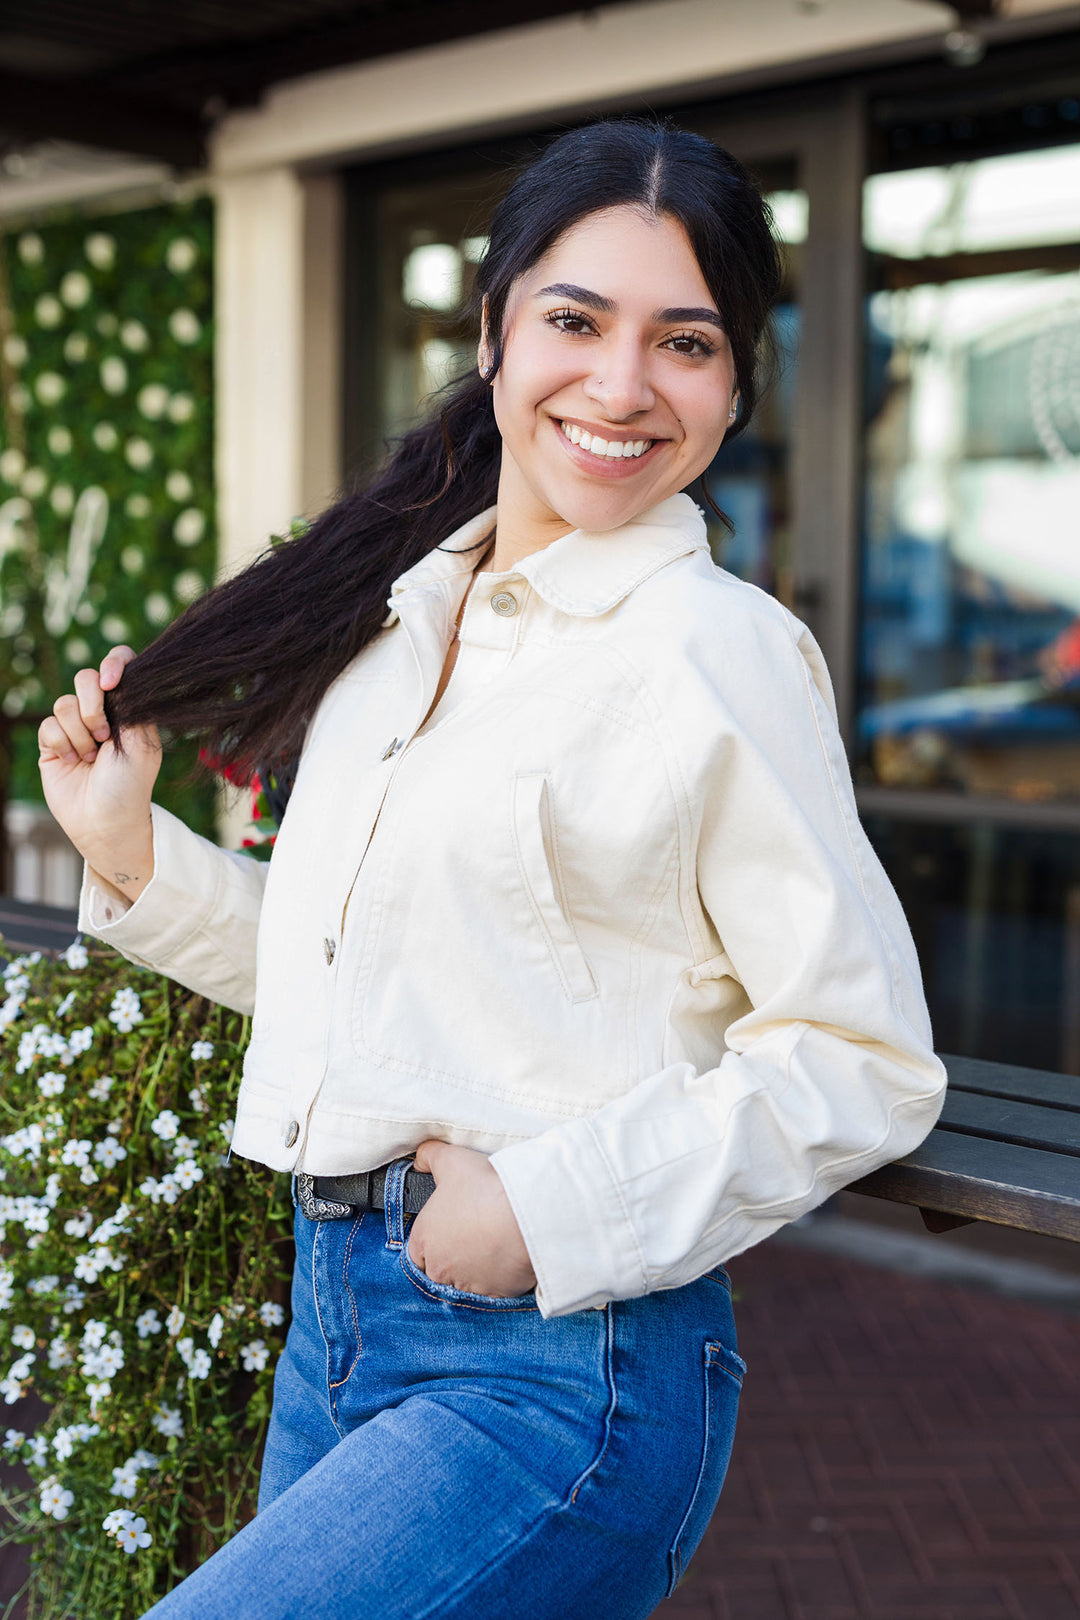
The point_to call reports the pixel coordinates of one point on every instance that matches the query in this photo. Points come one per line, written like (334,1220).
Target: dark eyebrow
(608,306)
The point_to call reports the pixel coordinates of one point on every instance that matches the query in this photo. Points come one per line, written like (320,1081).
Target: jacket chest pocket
(536,843)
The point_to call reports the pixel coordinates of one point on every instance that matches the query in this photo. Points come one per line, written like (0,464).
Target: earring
(485,371)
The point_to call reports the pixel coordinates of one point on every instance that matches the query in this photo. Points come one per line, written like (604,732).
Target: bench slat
(1003,1080)
(987,1180)
(1057,1130)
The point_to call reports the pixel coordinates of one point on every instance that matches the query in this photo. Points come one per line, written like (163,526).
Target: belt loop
(394,1199)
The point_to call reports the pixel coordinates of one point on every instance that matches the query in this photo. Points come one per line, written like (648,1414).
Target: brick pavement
(906,1450)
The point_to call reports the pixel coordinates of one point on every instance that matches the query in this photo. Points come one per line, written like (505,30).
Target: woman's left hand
(466,1235)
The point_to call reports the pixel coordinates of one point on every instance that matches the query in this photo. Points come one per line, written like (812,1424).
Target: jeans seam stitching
(609,1416)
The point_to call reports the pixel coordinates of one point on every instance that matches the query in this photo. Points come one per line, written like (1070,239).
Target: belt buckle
(318,1209)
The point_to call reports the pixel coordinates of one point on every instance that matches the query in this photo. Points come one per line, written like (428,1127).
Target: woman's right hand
(101,798)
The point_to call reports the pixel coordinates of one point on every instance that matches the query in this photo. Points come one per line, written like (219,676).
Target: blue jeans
(438,1453)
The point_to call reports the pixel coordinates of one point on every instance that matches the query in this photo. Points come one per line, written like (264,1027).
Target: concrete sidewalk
(908,1449)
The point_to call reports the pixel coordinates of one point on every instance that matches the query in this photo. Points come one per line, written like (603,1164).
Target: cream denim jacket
(609,916)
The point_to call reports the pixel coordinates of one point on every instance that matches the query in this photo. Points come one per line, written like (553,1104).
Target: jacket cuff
(573,1219)
(178,900)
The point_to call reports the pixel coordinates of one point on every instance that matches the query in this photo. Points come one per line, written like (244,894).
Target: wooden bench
(1006,1149)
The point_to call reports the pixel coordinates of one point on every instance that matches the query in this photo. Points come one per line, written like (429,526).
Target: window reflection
(970,642)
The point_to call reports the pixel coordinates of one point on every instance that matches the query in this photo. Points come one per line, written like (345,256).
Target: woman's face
(612,336)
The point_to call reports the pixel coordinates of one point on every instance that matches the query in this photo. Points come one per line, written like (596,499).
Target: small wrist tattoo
(125,877)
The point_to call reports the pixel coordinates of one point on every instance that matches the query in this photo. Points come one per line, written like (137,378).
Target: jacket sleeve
(829,1074)
(197,919)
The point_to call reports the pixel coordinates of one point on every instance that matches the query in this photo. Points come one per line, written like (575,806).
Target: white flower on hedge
(65,1006)
(125,1481)
(43,1285)
(132,560)
(116,1520)
(138,453)
(34,482)
(62,499)
(151,1189)
(101,1087)
(75,289)
(200,1365)
(149,1322)
(189,527)
(134,336)
(271,1314)
(13,1440)
(168,1422)
(196,1099)
(186,1174)
(96,1394)
(76,347)
(55,1500)
(105,435)
(109,1152)
(169,1188)
(185,1349)
(15,349)
(158,608)
(133,1536)
(153,400)
(188,585)
(48,311)
(165,1125)
(76,956)
(59,1354)
(77,1152)
(50,387)
(74,1298)
(125,1010)
(51,1084)
(88,1176)
(226,1128)
(114,628)
(174,1321)
(38,1448)
(22,1337)
(114,374)
(94,1334)
(7,1286)
(185,1147)
(31,248)
(181,408)
(12,465)
(81,1040)
(100,249)
(59,440)
(178,486)
(185,325)
(180,255)
(255,1355)
(215,1330)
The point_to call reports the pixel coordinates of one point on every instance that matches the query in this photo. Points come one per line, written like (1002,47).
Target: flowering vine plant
(143,1282)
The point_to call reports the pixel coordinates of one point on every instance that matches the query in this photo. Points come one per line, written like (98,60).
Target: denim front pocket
(458,1296)
(723,1376)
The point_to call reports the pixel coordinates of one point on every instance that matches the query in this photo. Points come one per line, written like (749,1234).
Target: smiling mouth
(606,449)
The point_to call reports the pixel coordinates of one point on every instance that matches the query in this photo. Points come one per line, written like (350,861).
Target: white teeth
(607,449)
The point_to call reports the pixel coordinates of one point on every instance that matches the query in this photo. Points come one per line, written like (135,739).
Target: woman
(571,936)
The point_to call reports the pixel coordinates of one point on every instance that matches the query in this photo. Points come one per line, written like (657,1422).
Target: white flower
(185,1349)
(12,465)
(48,311)
(114,628)
(100,1089)
(188,584)
(200,1364)
(43,1285)
(59,1354)
(271,1315)
(165,1125)
(76,956)
(63,1444)
(22,1337)
(31,248)
(181,408)
(215,1330)
(100,249)
(226,1128)
(134,336)
(125,1481)
(153,400)
(174,1321)
(65,1006)
(75,289)
(149,1322)
(50,387)
(38,1448)
(94,1334)
(178,486)
(197,1100)
(51,1085)
(108,1361)
(158,608)
(144,1458)
(75,1152)
(105,435)
(138,453)
(13,1440)
(168,1422)
(114,374)
(169,1188)
(97,1393)
(189,527)
(109,1152)
(33,483)
(134,1535)
(76,347)
(180,255)
(7,1289)
(187,1174)
(185,325)
(116,1520)
(151,1189)
(81,1040)
(185,1147)
(125,1010)
(74,1297)
(54,1500)
(85,1269)
(255,1355)
(87,1176)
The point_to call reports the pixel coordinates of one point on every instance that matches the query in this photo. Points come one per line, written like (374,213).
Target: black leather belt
(335,1198)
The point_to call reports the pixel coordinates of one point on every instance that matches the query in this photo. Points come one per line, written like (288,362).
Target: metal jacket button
(504,604)
(292,1131)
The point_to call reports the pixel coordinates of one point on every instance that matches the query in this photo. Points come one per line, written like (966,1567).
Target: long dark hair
(242,671)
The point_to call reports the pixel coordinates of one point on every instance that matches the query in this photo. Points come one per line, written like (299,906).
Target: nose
(620,384)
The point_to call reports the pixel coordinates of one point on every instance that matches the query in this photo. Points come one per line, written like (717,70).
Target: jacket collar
(584,573)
